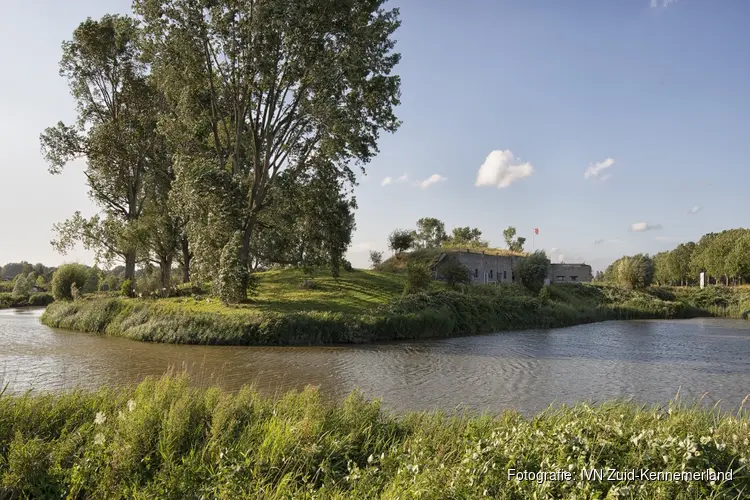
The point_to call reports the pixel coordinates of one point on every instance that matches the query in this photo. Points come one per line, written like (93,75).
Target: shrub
(126,289)
(532,270)
(41,299)
(65,277)
(232,282)
(21,287)
(347,265)
(544,295)
(453,272)
(417,278)
(376,258)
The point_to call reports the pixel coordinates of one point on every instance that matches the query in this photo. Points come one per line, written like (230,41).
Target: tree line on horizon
(723,256)
(223,137)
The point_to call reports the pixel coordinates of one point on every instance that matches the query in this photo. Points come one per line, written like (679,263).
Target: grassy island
(165,439)
(366,306)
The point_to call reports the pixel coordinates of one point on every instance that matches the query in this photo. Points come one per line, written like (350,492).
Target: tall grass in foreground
(165,439)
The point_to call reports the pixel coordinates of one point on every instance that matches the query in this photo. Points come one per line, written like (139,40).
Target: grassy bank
(366,306)
(165,439)
(9,300)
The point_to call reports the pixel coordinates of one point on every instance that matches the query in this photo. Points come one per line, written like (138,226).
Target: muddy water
(649,361)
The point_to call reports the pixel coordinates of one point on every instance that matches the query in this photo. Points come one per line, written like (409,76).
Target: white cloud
(644,226)
(655,4)
(502,169)
(695,209)
(561,258)
(553,250)
(596,168)
(433,179)
(602,240)
(399,180)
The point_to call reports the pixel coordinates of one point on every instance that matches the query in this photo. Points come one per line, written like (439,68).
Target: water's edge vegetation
(166,439)
(436,313)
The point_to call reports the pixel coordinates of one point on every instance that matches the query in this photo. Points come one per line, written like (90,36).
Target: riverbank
(367,306)
(165,439)
(9,300)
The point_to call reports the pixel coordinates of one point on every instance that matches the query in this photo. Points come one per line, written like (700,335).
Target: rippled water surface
(526,370)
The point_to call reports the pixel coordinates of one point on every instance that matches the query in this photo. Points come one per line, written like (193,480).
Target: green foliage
(126,289)
(544,295)
(41,299)
(376,258)
(636,272)
(231,283)
(166,439)
(513,245)
(532,270)
(65,277)
(417,278)
(430,232)
(465,237)
(401,240)
(22,287)
(453,272)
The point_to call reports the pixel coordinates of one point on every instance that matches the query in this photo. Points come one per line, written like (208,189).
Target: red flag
(536,230)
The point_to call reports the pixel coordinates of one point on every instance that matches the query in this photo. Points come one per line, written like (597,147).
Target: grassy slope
(366,306)
(165,439)
(427,256)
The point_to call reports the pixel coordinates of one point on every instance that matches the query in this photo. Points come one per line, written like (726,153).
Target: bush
(22,286)
(453,272)
(544,295)
(532,270)
(65,277)
(41,299)
(231,285)
(126,289)
(417,278)
(347,265)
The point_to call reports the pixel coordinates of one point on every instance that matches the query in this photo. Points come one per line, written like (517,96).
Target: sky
(612,127)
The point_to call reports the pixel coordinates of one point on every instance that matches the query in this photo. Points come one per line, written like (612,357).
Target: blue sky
(657,93)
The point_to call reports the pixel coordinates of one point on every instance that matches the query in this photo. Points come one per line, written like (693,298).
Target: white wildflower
(99,438)
(100,418)
(131,405)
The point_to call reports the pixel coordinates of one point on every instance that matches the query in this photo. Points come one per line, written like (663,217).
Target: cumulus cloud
(390,180)
(655,4)
(644,226)
(433,179)
(561,258)
(695,209)
(595,169)
(502,169)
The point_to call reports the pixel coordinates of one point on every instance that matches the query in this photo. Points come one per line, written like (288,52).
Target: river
(649,361)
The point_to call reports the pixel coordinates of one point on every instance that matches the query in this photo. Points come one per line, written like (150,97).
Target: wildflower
(131,405)
(100,418)
(99,439)
(370,459)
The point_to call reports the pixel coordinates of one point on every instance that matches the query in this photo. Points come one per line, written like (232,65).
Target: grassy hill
(366,306)
(426,256)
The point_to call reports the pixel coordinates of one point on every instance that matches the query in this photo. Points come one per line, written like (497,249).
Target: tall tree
(466,237)
(401,240)
(431,232)
(114,132)
(274,85)
(515,245)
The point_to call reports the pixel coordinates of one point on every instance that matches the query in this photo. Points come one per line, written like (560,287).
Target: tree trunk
(130,270)
(186,257)
(165,275)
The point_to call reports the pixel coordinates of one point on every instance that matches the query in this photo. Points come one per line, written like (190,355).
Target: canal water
(649,361)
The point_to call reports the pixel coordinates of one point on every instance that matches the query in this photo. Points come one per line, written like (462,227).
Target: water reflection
(646,360)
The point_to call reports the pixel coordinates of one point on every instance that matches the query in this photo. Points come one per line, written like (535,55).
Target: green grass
(166,439)
(368,306)
(427,256)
